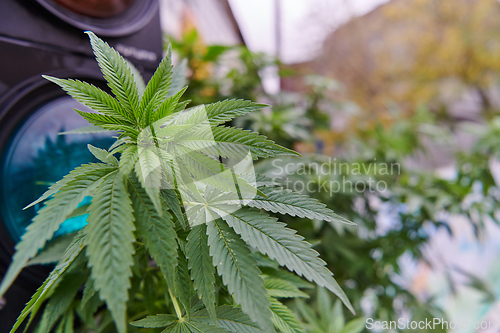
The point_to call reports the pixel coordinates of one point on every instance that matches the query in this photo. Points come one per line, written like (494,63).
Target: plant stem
(178,311)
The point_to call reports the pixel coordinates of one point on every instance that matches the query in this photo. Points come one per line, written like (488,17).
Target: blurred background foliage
(396,112)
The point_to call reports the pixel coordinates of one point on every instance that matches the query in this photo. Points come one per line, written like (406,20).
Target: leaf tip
(50,78)
(263,105)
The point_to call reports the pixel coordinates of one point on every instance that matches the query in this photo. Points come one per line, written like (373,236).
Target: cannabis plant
(176,215)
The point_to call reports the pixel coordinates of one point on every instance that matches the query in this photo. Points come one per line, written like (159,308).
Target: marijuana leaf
(157,321)
(239,272)
(156,90)
(110,238)
(118,75)
(288,202)
(229,318)
(231,142)
(200,265)
(278,242)
(284,319)
(156,231)
(282,289)
(41,294)
(178,182)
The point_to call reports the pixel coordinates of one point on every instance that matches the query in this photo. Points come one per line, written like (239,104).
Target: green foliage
(287,202)
(109,244)
(52,280)
(367,259)
(230,318)
(200,265)
(165,217)
(278,242)
(119,77)
(282,289)
(239,271)
(330,318)
(283,318)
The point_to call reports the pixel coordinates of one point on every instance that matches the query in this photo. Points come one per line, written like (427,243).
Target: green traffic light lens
(36,156)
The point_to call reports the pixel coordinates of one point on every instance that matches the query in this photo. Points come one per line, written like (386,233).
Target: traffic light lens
(97,8)
(36,157)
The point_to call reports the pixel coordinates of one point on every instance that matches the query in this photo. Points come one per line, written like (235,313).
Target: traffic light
(46,37)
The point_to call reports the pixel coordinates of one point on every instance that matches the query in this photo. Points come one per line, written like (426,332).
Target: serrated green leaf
(103,155)
(193,327)
(211,172)
(201,267)
(149,172)
(156,321)
(128,159)
(181,105)
(283,244)
(223,111)
(239,272)
(87,310)
(102,119)
(260,180)
(156,89)
(183,286)
(117,143)
(88,292)
(232,142)
(173,203)
(282,289)
(157,231)
(128,132)
(167,107)
(41,294)
(284,319)
(197,327)
(61,300)
(93,97)
(229,318)
(80,183)
(110,239)
(119,149)
(117,73)
(285,201)
(290,277)
(263,261)
(53,251)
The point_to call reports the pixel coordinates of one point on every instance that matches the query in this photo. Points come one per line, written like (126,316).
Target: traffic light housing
(46,37)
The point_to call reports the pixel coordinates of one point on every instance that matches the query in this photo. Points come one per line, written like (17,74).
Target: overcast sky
(304,23)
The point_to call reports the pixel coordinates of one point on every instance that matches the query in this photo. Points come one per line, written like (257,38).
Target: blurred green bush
(367,259)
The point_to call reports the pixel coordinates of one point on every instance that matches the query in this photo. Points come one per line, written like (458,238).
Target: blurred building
(212,18)
(441,53)
(408,53)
